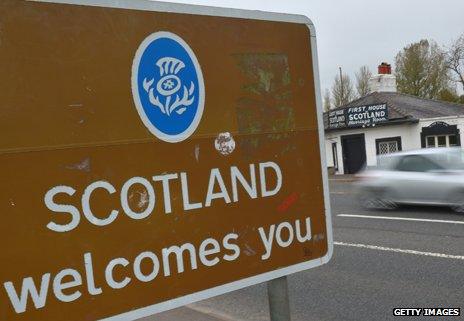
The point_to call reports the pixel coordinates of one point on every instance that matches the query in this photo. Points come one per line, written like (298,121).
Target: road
(410,257)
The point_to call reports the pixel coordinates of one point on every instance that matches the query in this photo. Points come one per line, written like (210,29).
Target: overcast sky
(352,33)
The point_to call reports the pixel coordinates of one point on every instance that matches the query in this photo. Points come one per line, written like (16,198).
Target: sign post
(279,305)
(155,155)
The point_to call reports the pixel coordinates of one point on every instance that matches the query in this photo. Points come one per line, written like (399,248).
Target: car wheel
(376,201)
(458,203)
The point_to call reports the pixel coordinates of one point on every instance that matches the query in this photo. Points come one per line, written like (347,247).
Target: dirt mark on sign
(265,105)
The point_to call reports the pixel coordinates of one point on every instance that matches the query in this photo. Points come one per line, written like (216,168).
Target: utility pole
(341,86)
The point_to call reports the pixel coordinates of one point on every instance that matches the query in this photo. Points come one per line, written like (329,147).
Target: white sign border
(147,5)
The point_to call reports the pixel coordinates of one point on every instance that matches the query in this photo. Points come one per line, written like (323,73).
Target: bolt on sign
(154,155)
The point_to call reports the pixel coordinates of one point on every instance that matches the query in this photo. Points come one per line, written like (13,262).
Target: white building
(385,122)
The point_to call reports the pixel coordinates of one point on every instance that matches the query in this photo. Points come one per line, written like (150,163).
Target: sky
(354,33)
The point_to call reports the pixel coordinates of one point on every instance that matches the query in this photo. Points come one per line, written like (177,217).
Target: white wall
(328,152)
(382,83)
(409,133)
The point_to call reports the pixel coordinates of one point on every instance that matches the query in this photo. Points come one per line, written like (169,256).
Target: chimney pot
(385,69)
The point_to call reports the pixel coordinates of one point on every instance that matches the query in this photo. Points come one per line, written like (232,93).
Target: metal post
(341,85)
(277,291)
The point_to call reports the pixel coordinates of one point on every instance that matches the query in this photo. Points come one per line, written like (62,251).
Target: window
(388,145)
(430,141)
(450,160)
(440,134)
(416,163)
(441,141)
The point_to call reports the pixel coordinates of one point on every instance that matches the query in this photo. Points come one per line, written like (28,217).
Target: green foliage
(449,95)
(421,70)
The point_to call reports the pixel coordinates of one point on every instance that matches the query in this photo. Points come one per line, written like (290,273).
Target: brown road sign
(153,155)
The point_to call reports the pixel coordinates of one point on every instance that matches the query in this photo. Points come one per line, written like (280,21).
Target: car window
(453,160)
(387,162)
(416,163)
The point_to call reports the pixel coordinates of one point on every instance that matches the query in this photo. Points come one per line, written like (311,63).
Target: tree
(421,70)
(362,81)
(449,95)
(327,100)
(342,91)
(455,61)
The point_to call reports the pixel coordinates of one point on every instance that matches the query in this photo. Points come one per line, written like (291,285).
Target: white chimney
(384,81)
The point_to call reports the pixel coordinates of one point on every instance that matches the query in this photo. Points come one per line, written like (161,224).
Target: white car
(428,177)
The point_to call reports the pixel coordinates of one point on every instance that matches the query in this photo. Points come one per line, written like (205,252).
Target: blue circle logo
(168,87)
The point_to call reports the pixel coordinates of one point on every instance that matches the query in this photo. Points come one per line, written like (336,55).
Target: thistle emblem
(168,86)
(166,94)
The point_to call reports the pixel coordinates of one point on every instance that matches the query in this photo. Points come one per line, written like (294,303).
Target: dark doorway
(354,153)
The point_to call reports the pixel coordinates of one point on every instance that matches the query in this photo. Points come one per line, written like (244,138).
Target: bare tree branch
(362,81)
(455,61)
(343,91)
(327,100)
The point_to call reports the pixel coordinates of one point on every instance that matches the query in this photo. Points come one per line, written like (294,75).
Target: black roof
(406,108)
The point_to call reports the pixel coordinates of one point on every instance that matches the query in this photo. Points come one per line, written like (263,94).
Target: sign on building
(154,155)
(337,119)
(361,116)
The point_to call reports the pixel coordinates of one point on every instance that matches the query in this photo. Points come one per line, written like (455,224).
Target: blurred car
(432,176)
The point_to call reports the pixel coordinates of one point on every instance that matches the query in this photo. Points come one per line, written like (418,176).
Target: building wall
(410,138)
(409,133)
